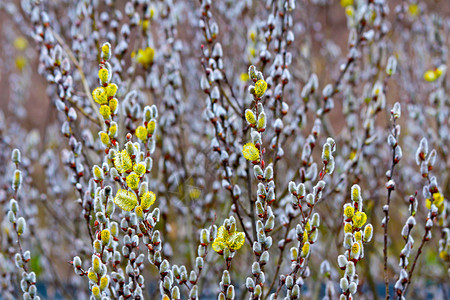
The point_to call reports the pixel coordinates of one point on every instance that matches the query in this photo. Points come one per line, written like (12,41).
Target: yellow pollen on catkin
(105,235)
(250,117)
(126,200)
(132,181)
(359,219)
(111,90)
(147,200)
(100,96)
(250,152)
(141,133)
(260,88)
(349,211)
(105,111)
(103,75)
(151,126)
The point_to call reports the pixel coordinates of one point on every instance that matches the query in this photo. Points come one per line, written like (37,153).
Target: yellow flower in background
(414,9)
(250,152)
(252,35)
(244,77)
(444,255)
(20,43)
(352,155)
(21,62)
(232,240)
(345,3)
(144,24)
(438,201)
(349,11)
(430,76)
(194,193)
(433,74)
(144,56)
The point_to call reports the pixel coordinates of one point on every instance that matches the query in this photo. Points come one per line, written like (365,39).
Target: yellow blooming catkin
(262,121)
(113,129)
(139,169)
(305,249)
(194,193)
(139,211)
(92,276)
(96,291)
(430,76)
(348,227)
(250,117)
(104,137)
(106,51)
(103,75)
(236,240)
(219,245)
(126,200)
(355,249)
(105,235)
(96,264)
(113,103)
(250,152)
(147,200)
(111,90)
(349,211)
(133,181)
(305,236)
(145,56)
(345,3)
(100,96)
(122,161)
(105,111)
(103,282)
(141,133)
(224,239)
(359,219)
(151,126)
(260,88)
(438,201)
